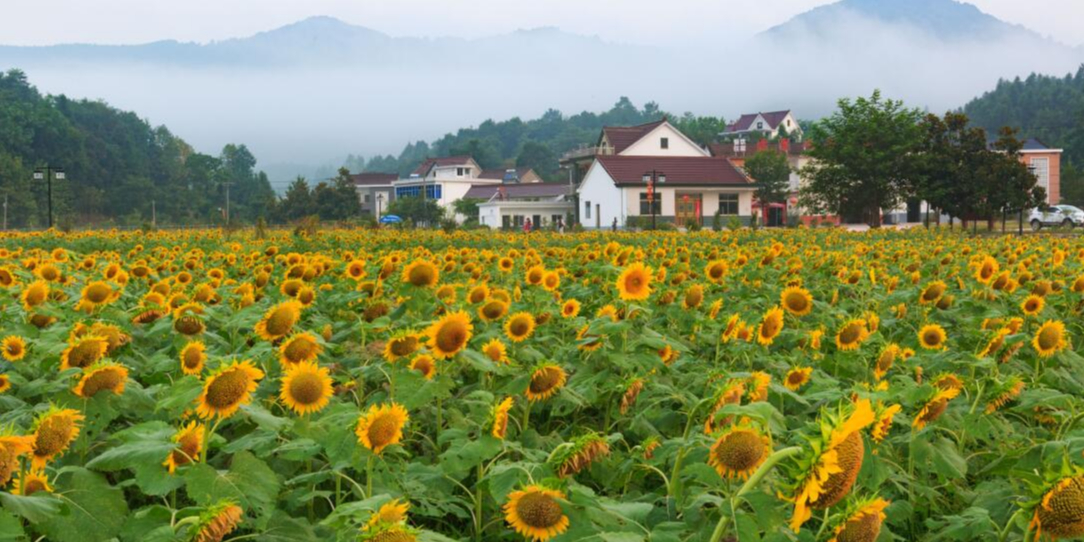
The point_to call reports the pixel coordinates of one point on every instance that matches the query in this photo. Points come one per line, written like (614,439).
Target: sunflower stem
(526,415)
(754,480)
(478,504)
(440,419)
(369,476)
(1008,526)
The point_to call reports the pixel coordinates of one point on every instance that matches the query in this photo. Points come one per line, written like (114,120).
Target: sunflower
(535,513)
(862,522)
(1060,513)
(216,522)
(83,353)
(227,389)
(5,383)
(546,381)
(189,325)
(1033,305)
(496,351)
(500,417)
(885,360)
(381,426)
(634,283)
(449,335)
(391,513)
(715,271)
(884,422)
(995,343)
(935,407)
(279,320)
(797,377)
(193,358)
(31,482)
(13,348)
(570,308)
(694,296)
(733,324)
(632,391)
(54,431)
(1050,338)
(97,293)
(395,533)
(586,341)
(12,447)
(739,452)
(519,326)
(1007,393)
(932,337)
(421,273)
(102,377)
(797,301)
(35,294)
(834,469)
(189,444)
(551,281)
(770,326)
(578,455)
(425,364)
(852,335)
(492,310)
(987,270)
(932,292)
(306,387)
(402,345)
(478,294)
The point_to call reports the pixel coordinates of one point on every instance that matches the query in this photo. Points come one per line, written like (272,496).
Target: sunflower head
(424,364)
(449,335)
(381,426)
(634,282)
(546,380)
(390,514)
(797,377)
(1059,511)
(216,521)
(496,351)
(102,377)
(193,357)
(84,352)
(306,387)
(570,308)
(932,337)
(861,521)
(935,407)
(573,457)
(796,300)
(188,442)
(227,389)
(12,447)
(535,512)
(852,335)
(519,326)
(13,348)
(279,320)
(500,417)
(403,344)
(1050,338)
(54,431)
(31,482)
(421,273)
(739,451)
(770,326)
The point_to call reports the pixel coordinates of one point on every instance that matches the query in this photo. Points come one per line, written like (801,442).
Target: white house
(690,184)
(768,125)
(443,179)
(509,206)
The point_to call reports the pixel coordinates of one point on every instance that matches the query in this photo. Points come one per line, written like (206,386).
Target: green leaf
(249,482)
(35,508)
(10,527)
(130,455)
(286,529)
(621,537)
(96,510)
(182,394)
(947,461)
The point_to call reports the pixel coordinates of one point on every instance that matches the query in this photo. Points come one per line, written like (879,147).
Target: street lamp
(379,204)
(47,174)
(650,179)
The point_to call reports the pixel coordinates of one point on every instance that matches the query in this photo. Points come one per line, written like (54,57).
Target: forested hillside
(537,143)
(116,164)
(1045,107)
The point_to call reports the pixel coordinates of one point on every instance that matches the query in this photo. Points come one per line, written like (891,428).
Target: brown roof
(622,137)
(695,171)
(423,169)
(746,121)
(726,150)
(373,179)
(498,174)
(516,191)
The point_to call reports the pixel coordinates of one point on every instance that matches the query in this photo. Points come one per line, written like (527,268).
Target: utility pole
(227,185)
(47,173)
(154,214)
(5,212)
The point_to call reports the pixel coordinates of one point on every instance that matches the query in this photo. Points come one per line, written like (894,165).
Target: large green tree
(863,159)
(771,171)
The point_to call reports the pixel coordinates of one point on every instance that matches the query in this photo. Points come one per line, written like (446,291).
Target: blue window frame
(432,191)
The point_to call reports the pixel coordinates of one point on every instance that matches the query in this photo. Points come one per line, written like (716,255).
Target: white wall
(650,144)
(598,189)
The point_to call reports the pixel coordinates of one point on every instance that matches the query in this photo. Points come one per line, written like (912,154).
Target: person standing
(527,226)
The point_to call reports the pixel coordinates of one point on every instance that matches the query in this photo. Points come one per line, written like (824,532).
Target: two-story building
(635,172)
(443,180)
(374,191)
(765,125)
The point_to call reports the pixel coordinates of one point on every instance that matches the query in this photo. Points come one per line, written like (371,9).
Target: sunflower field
(796,385)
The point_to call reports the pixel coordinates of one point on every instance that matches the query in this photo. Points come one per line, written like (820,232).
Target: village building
(374,191)
(634,173)
(764,125)
(509,206)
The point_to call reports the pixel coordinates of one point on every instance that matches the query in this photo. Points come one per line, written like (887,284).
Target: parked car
(1057,215)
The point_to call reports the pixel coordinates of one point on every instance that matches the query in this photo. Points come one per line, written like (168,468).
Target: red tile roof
(423,169)
(686,171)
(622,137)
(773,119)
(517,191)
(373,179)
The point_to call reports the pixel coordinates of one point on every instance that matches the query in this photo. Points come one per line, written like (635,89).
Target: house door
(688,208)
(775,216)
(598,216)
(914,211)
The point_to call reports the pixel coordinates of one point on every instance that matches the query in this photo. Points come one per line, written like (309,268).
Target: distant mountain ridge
(946,20)
(317,40)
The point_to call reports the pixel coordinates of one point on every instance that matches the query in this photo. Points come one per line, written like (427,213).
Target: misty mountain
(946,20)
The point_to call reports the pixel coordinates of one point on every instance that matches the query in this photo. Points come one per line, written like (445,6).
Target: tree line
(119,170)
(875,154)
(1045,107)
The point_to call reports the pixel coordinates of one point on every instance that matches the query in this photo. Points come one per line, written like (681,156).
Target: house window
(458,172)
(366,199)
(432,191)
(1041,168)
(664,142)
(760,126)
(788,123)
(728,204)
(587,210)
(645,206)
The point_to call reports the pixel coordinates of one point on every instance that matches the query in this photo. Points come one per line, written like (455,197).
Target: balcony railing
(587,151)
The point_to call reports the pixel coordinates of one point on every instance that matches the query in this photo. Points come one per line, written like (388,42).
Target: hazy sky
(40,22)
